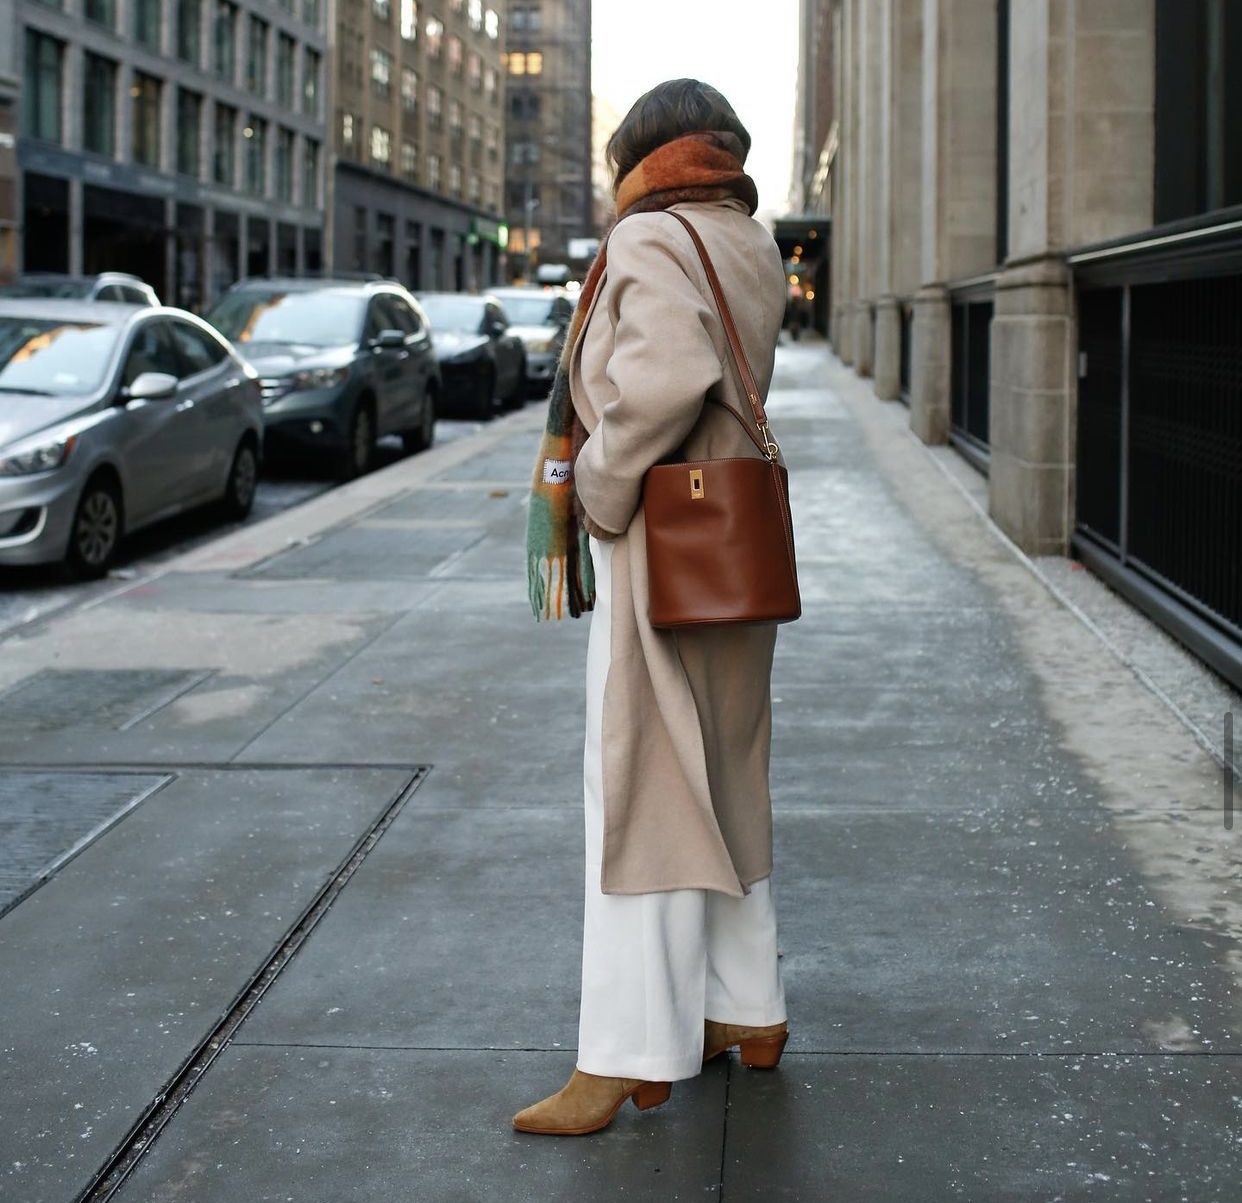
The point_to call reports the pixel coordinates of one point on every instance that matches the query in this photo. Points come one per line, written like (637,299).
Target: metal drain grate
(112,699)
(48,818)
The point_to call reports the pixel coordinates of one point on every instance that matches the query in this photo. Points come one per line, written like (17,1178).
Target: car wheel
(485,402)
(422,436)
(359,450)
(96,531)
(242,483)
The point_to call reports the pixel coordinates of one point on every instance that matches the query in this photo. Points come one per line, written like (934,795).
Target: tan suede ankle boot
(760,1047)
(587,1103)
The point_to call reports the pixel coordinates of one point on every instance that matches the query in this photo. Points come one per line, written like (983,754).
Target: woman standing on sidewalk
(679,957)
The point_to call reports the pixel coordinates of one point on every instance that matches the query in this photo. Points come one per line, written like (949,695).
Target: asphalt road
(29,594)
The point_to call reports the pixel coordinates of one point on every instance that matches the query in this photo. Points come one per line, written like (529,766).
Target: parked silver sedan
(112,417)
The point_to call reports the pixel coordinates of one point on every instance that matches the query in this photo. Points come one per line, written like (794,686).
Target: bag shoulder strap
(736,351)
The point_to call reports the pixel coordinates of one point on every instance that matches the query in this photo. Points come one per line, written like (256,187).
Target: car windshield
(323,318)
(454,313)
(533,310)
(55,358)
(67,288)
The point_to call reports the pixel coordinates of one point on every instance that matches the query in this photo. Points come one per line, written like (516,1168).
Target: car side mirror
(389,340)
(151,386)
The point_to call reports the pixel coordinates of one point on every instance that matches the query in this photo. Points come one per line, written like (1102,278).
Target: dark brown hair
(668,111)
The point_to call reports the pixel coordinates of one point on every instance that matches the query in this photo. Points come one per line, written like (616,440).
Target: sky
(748,49)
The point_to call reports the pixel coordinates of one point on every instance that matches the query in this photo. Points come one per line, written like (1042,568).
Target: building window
(474,70)
(433,172)
(523,105)
(256,57)
(101,11)
(381,73)
(255,134)
(491,22)
(409,20)
(456,55)
(148,21)
(41,107)
(409,89)
(312,13)
(435,37)
(491,84)
(476,189)
(381,145)
(283,165)
(493,142)
(310,174)
(145,92)
(526,17)
(189,31)
(528,62)
(476,15)
(1198,107)
(286,56)
(189,132)
(311,69)
(225,39)
(382,9)
(474,127)
(435,107)
(99,106)
(409,161)
(523,153)
(348,131)
(224,153)
(454,119)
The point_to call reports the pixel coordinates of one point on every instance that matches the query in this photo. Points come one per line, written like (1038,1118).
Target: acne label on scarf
(557,471)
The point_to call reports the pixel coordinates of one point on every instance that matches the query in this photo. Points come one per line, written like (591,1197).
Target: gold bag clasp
(696,484)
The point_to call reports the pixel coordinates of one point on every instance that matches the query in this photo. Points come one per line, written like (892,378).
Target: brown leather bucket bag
(719,532)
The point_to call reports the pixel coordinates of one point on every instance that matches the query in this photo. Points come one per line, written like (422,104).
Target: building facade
(182,140)
(548,194)
(9,84)
(417,134)
(1037,241)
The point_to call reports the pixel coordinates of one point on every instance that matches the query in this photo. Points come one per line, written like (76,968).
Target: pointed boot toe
(587,1103)
(759,1047)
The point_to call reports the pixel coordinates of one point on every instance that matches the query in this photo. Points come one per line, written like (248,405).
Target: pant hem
(645,1069)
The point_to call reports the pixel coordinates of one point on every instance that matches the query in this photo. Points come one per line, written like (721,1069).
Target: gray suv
(105,286)
(340,362)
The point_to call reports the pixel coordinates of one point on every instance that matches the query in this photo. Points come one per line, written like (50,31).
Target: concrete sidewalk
(321,782)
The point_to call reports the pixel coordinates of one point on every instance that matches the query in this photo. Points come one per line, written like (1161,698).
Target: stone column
(1031,476)
(843,337)
(930,370)
(864,339)
(888,348)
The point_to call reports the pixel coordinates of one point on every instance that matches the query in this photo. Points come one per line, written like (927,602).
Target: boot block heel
(763,1053)
(652,1094)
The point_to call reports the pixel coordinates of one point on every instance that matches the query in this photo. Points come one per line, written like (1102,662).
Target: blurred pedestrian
(679,959)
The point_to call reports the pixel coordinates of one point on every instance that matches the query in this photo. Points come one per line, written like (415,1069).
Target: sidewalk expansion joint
(160,1112)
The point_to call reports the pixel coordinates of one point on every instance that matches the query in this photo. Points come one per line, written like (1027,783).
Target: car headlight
(42,458)
(314,378)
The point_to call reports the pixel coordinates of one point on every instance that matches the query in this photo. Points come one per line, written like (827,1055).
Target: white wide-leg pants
(654,966)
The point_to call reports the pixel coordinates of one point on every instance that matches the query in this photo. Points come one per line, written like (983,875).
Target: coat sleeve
(662,364)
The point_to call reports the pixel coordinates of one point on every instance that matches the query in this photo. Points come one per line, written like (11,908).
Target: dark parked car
(112,417)
(540,317)
(340,362)
(105,286)
(481,359)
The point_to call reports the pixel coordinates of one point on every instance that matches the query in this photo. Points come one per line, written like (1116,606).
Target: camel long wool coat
(687,714)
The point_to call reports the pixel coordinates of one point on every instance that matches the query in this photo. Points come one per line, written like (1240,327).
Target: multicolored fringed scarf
(698,167)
